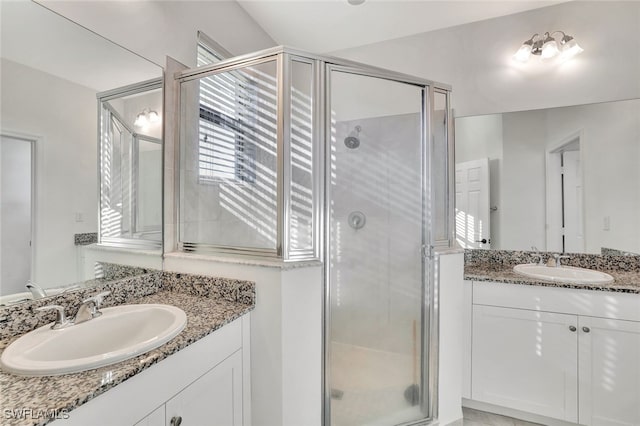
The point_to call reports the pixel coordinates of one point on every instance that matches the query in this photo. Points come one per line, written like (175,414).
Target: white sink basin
(120,333)
(567,274)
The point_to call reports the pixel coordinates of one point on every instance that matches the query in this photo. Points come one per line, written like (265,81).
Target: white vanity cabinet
(566,354)
(214,399)
(205,383)
(609,371)
(526,360)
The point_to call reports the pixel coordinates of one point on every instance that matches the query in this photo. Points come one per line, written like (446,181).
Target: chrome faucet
(37,292)
(61,320)
(89,309)
(556,260)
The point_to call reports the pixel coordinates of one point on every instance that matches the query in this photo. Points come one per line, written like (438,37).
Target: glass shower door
(375,272)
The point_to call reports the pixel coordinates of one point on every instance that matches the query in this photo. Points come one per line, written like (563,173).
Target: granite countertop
(61,394)
(624,281)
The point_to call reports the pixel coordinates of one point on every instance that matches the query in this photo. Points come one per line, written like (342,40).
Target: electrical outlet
(79,217)
(606,223)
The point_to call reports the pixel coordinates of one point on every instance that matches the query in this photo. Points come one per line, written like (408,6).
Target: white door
(15,213)
(573,211)
(564,198)
(472,204)
(609,372)
(525,360)
(213,399)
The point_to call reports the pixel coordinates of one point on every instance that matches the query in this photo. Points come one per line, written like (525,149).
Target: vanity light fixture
(146,117)
(547,47)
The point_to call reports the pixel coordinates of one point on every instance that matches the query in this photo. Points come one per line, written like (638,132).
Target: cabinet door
(156,418)
(609,372)
(525,360)
(213,399)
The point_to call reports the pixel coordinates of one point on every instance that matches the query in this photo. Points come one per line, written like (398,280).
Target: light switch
(79,217)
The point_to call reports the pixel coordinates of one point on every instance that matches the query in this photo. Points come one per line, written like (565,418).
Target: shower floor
(369,385)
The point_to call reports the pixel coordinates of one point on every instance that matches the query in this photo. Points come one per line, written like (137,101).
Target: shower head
(353,141)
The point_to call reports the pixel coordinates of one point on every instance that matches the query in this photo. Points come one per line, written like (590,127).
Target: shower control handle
(357,220)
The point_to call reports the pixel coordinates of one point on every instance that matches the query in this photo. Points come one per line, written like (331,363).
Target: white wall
(302,295)
(476,58)
(63,114)
(450,358)
(522,186)
(155,29)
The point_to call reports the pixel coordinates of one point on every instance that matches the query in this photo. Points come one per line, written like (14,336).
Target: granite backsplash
(590,261)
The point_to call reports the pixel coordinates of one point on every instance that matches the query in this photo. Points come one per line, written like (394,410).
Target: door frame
(552,226)
(36,142)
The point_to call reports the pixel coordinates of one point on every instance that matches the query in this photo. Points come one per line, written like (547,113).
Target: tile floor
(480,418)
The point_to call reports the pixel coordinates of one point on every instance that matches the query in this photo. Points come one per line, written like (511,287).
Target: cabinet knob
(586,329)
(176,421)
(572,328)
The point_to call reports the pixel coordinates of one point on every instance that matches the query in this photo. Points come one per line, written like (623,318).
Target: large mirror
(560,179)
(52,71)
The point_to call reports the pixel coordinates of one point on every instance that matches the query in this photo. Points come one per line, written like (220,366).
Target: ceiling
(331,25)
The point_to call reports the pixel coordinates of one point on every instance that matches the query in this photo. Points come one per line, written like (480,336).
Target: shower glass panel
(148,217)
(375,220)
(229,153)
(440,169)
(300,207)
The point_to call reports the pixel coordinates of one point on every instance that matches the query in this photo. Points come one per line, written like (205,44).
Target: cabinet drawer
(593,303)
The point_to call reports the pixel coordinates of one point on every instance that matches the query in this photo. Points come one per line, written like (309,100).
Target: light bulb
(141,120)
(153,117)
(523,54)
(549,48)
(570,48)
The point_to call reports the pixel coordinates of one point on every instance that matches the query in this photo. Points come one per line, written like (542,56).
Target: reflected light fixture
(146,117)
(547,47)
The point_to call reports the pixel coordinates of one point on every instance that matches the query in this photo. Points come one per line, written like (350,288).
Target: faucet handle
(97,299)
(557,258)
(93,304)
(61,319)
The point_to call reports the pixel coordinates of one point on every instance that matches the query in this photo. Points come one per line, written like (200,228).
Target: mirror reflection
(52,72)
(560,179)
(131,166)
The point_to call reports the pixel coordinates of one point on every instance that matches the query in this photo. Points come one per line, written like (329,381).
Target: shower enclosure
(130,174)
(293,157)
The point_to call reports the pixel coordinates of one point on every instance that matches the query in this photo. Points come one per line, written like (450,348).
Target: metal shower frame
(322,67)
